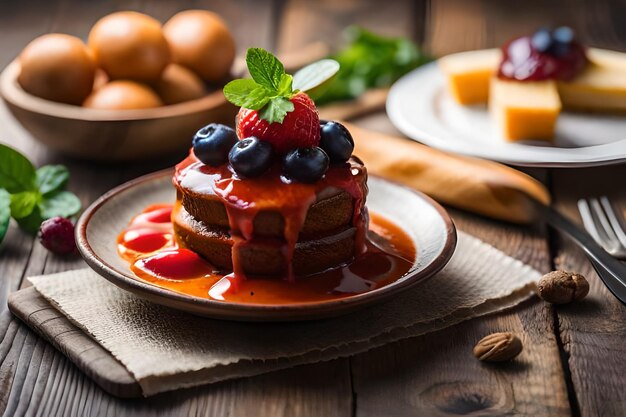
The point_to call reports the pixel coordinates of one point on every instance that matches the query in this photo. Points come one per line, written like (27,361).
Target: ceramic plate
(425,221)
(419,105)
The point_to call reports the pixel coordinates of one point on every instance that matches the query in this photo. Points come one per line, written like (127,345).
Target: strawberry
(299,128)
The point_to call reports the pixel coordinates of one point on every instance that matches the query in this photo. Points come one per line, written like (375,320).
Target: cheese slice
(468,74)
(524,110)
(607,58)
(601,86)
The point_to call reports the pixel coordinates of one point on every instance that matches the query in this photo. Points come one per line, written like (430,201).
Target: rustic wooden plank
(39,379)
(437,374)
(592,331)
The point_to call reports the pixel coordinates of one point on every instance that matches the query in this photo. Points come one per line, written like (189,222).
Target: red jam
(522,62)
(183,271)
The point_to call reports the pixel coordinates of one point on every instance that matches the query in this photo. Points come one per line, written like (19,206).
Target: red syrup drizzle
(183,271)
(244,199)
(522,62)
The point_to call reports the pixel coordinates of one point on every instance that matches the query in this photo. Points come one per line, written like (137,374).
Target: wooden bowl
(112,135)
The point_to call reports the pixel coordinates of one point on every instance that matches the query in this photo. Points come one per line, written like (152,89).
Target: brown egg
(200,40)
(130,45)
(57,67)
(179,84)
(100,79)
(123,95)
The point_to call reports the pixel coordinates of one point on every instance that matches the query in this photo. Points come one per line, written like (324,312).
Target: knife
(611,271)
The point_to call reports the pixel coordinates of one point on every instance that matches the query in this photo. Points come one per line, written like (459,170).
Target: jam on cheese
(531,78)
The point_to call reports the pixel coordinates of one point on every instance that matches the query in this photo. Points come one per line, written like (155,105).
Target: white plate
(420,106)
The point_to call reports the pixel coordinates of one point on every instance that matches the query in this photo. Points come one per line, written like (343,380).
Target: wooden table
(575,356)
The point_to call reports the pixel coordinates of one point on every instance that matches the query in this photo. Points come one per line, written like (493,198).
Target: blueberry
(541,40)
(212,143)
(562,40)
(563,34)
(336,141)
(305,164)
(250,157)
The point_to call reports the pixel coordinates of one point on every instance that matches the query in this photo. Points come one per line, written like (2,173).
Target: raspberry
(299,129)
(57,235)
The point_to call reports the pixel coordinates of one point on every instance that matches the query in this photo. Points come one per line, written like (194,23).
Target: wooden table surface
(574,362)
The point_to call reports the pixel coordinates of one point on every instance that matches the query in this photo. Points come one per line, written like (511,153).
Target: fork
(602,223)
(611,271)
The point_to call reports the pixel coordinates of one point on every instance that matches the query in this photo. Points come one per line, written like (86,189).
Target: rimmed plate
(425,221)
(420,106)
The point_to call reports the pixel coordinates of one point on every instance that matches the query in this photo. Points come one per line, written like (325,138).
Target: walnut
(561,287)
(498,347)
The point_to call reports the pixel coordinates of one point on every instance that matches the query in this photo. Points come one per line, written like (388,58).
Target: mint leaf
(276,110)
(22,204)
(51,178)
(285,87)
(315,74)
(32,222)
(247,93)
(5,212)
(265,68)
(237,91)
(16,172)
(62,203)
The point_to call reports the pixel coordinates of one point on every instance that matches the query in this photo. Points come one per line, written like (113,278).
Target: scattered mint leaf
(265,68)
(276,110)
(31,222)
(62,203)
(370,60)
(17,174)
(51,178)
(22,204)
(31,196)
(5,212)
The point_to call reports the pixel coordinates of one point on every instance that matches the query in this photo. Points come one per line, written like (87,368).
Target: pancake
(273,228)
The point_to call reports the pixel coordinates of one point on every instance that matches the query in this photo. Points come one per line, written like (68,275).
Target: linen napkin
(166,349)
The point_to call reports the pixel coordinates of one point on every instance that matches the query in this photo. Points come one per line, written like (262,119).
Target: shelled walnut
(561,287)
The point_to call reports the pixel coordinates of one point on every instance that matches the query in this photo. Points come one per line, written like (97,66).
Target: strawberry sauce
(181,270)
(244,199)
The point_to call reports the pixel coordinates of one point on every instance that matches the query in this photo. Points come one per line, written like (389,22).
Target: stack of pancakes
(326,238)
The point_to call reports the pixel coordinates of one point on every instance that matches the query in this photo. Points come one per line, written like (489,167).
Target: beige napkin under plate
(167,349)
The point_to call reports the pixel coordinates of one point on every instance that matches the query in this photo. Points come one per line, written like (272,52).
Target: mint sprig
(269,90)
(32,195)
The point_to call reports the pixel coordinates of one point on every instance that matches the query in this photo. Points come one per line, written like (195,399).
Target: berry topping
(299,128)
(543,56)
(57,235)
(563,38)
(336,141)
(541,40)
(272,108)
(250,157)
(212,143)
(305,164)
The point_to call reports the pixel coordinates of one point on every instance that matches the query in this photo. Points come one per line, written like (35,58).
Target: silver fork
(603,224)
